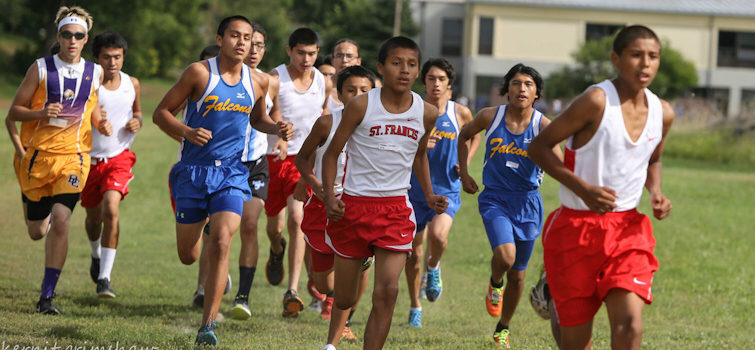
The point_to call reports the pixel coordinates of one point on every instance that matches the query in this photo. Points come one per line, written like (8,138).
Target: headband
(73,20)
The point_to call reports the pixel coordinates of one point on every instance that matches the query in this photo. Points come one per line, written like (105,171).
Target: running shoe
(292,304)
(327,308)
(347,334)
(274,271)
(94,269)
(206,336)
(494,300)
(240,310)
(103,289)
(46,307)
(313,290)
(434,285)
(198,299)
(423,286)
(315,305)
(415,318)
(366,263)
(227,285)
(502,339)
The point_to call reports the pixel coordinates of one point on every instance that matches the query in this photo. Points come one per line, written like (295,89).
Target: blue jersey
(507,165)
(224,110)
(443,157)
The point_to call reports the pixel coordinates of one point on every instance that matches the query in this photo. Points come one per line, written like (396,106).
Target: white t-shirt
(118,105)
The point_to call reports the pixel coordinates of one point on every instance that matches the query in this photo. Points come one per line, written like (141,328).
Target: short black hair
(346,40)
(304,36)
(629,34)
(521,68)
(258,28)
(109,39)
(209,51)
(354,71)
(225,22)
(441,63)
(319,61)
(55,48)
(397,42)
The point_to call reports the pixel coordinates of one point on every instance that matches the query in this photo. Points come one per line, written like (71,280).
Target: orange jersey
(75,87)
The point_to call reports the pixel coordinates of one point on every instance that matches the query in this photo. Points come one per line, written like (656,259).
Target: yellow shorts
(43,174)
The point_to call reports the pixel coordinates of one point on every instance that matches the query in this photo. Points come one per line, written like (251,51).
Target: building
(718,36)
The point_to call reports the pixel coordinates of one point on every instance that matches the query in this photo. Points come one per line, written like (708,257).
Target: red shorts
(108,174)
(170,191)
(384,222)
(587,255)
(283,179)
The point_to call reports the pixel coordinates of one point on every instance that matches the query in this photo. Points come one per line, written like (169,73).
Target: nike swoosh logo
(638,281)
(404,235)
(117,184)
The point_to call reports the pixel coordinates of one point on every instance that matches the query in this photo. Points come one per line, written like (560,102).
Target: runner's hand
(300,192)
(431,141)
(438,203)
(104,127)
(661,205)
(282,148)
(334,208)
(285,130)
(468,184)
(134,125)
(51,110)
(198,136)
(600,200)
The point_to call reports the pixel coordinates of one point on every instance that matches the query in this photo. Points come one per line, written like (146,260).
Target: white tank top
(255,142)
(320,152)
(333,105)
(380,152)
(610,158)
(299,108)
(118,104)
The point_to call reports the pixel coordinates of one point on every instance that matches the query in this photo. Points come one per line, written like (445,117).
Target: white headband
(73,20)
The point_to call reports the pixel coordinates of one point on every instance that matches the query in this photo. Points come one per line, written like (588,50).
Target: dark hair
(109,39)
(227,22)
(304,36)
(521,68)
(354,71)
(346,40)
(397,42)
(629,34)
(319,61)
(54,48)
(441,63)
(209,51)
(258,28)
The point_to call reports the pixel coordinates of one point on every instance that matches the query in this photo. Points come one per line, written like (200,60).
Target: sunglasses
(67,35)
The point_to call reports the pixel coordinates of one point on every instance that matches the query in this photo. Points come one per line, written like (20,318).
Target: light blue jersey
(224,110)
(442,158)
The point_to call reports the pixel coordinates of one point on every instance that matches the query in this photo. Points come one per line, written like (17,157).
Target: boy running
(57,107)
(385,129)
(438,76)
(597,247)
(209,179)
(301,93)
(510,205)
(112,161)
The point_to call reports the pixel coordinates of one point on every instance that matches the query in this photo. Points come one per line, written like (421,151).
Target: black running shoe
(94,269)
(46,307)
(198,300)
(103,289)
(274,268)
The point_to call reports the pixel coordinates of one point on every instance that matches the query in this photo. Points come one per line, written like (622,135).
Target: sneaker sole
(431,296)
(106,295)
(292,308)
(239,313)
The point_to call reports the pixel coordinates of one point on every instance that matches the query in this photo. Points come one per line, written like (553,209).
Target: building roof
(733,8)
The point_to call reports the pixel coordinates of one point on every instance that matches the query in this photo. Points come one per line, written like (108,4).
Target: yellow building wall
(539,39)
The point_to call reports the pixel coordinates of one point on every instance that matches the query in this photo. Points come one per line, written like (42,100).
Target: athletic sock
(94,248)
(331,294)
(499,327)
(433,268)
(496,285)
(348,320)
(106,262)
(200,289)
(49,282)
(415,308)
(246,277)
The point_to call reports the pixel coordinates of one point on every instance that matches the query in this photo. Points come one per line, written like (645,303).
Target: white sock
(416,308)
(329,347)
(106,262)
(200,289)
(432,267)
(94,248)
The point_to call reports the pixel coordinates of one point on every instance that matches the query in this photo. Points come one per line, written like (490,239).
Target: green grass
(703,291)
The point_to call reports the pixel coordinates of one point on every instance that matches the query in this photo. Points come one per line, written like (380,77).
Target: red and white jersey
(320,152)
(380,152)
(299,108)
(118,105)
(610,158)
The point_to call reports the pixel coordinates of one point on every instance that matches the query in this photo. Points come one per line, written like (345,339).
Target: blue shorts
(202,189)
(424,214)
(512,218)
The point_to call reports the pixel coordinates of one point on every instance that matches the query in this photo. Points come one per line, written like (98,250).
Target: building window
(718,96)
(597,31)
(485,44)
(451,36)
(736,49)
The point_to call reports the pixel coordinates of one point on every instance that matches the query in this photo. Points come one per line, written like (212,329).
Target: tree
(593,64)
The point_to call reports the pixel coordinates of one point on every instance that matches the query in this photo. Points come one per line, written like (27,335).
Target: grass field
(703,291)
